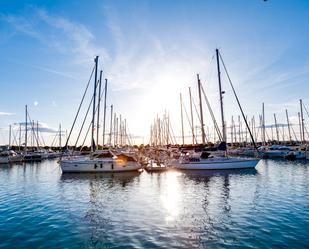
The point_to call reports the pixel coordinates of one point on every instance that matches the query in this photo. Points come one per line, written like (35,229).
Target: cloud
(6,113)
(42,127)
(45,69)
(22,25)
(58,33)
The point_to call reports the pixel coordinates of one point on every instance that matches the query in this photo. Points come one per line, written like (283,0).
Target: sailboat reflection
(98,214)
(224,192)
(111,179)
(203,175)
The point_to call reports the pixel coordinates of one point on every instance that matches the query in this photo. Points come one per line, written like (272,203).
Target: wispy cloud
(45,69)
(6,113)
(59,33)
(22,25)
(41,127)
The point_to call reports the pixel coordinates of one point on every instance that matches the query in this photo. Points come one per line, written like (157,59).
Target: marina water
(42,208)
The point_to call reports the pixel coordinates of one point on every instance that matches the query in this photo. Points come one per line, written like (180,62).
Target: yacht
(4,158)
(103,161)
(275,151)
(32,156)
(204,160)
(10,156)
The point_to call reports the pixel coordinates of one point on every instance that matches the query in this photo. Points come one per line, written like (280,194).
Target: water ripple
(263,208)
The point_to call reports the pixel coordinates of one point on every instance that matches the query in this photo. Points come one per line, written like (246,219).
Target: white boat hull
(275,154)
(96,166)
(4,160)
(210,164)
(15,159)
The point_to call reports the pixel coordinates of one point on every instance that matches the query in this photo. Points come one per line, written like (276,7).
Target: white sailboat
(10,156)
(200,161)
(103,162)
(275,151)
(99,161)
(203,160)
(4,158)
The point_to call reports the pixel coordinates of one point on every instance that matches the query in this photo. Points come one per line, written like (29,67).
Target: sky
(150,52)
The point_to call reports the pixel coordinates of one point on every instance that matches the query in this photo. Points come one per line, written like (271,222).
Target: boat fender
(95,166)
(101,166)
(112,166)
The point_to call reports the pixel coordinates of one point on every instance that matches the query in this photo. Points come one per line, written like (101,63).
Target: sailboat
(32,154)
(8,155)
(106,161)
(103,161)
(204,160)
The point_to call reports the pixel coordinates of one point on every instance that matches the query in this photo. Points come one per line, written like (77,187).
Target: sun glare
(171,198)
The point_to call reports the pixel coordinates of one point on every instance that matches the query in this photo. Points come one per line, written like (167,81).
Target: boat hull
(4,160)
(275,154)
(15,159)
(32,157)
(219,164)
(96,166)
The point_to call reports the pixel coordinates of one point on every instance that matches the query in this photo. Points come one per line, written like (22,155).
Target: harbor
(262,207)
(154,124)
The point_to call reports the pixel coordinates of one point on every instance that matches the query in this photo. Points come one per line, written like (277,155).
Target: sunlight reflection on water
(266,207)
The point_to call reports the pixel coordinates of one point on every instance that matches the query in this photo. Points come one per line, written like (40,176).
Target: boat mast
(252,128)
(221,97)
(288,122)
(263,124)
(239,131)
(26,128)
(276,126)
(66,137)
(125,132)
(94,104)
(120,130)
(299,123)
(114,129)
(167,131)
(37,134)
(19,137)
(10,132)
(201,108)
(111,126)
(193,137)
(246,134)
(117,131)
(98,116)
(32,134)
(182,132)
(104,115)
(232,124)
(302,120)
(59,136)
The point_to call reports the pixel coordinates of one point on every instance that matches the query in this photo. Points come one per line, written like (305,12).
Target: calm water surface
(262,208)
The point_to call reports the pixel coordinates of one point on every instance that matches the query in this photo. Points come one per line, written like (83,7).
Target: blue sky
(150,51)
